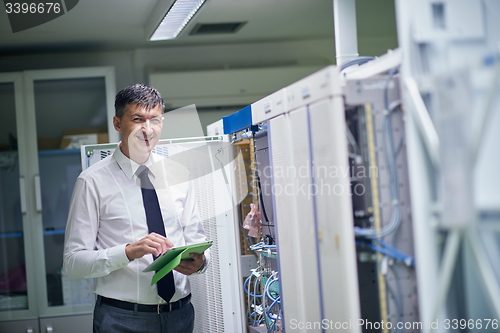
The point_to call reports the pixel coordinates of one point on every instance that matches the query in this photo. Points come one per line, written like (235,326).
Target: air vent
(216,28)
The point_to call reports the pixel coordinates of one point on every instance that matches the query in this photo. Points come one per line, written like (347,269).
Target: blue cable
(270,315)
(268,311)
(267,286)
(407,259)
(271,318)
(389,251)
(246,290)
(254,320)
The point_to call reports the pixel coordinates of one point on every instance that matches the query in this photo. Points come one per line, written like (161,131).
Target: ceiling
(102,25)
(121,25)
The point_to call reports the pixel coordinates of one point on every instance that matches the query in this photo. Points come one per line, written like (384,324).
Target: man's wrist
(127,254)
(203,267)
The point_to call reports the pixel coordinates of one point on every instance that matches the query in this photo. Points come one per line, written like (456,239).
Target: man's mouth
(145,139)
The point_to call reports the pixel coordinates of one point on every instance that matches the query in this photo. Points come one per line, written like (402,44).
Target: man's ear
(117,123)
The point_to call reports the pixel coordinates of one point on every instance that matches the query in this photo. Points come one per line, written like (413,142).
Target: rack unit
(321,140)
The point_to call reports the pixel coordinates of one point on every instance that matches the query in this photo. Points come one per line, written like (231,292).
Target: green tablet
(170,259)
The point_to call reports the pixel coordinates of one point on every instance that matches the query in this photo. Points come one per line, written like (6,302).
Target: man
(111,235)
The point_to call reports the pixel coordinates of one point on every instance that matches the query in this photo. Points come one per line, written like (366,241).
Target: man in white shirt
(108,234)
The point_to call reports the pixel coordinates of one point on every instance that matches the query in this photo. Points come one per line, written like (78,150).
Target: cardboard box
(48,143)
(74,138)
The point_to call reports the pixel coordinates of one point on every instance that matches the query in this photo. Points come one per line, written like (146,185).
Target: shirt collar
(128,166)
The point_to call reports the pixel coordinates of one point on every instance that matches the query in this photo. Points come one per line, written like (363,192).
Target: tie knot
(142,174)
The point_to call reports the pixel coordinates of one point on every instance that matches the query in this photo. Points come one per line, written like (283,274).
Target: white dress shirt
(107,213)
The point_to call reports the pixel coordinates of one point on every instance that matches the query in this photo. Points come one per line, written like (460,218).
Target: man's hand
(153,243)
(188,267)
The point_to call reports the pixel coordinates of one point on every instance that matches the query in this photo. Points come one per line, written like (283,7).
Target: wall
(134,66)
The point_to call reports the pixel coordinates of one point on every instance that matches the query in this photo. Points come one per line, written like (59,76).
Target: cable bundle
(263,299)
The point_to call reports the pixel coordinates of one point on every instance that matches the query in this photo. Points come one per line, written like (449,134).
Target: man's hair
(140,95)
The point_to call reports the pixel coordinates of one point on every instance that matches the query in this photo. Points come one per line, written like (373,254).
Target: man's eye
(137,119)
(155,121)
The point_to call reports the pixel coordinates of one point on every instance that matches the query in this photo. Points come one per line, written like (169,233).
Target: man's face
(140,130)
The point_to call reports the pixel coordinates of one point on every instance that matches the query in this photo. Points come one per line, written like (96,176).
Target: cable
(390,155)
(268,285)
(262,245)
(220,150)
(388,250)
(352,140)
(397,300)
(247,281)
(249,307)
(356,154)
(392,107)
(400,144)
(376,242)
(271,319)
(261,198)
(270,315)
(255,285)
(399,296)
(255,308)
(242,231)
(356,61)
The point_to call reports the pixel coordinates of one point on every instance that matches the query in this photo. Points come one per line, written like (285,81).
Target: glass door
(15,238)
(67,108)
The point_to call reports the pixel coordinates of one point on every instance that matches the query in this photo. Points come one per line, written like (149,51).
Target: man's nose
(146,126)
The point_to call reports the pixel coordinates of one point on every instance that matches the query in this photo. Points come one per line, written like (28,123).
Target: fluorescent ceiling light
(176,19)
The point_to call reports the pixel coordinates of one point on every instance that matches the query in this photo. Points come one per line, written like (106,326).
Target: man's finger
(185,270)
(155,246)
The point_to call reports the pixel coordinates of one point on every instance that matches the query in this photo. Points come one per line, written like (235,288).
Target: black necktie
(166,286)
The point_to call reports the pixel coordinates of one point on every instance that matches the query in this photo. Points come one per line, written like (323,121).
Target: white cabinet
(81,323)
(20,326)
(35,190)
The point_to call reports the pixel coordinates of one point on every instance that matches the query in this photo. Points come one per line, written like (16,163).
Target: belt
(159,308)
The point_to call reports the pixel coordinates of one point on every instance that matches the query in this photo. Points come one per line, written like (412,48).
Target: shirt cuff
(118,256)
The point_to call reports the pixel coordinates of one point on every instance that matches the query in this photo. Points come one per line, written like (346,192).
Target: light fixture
(176,19)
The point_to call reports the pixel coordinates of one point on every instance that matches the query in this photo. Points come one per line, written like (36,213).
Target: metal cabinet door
(73,324)
(20,326)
